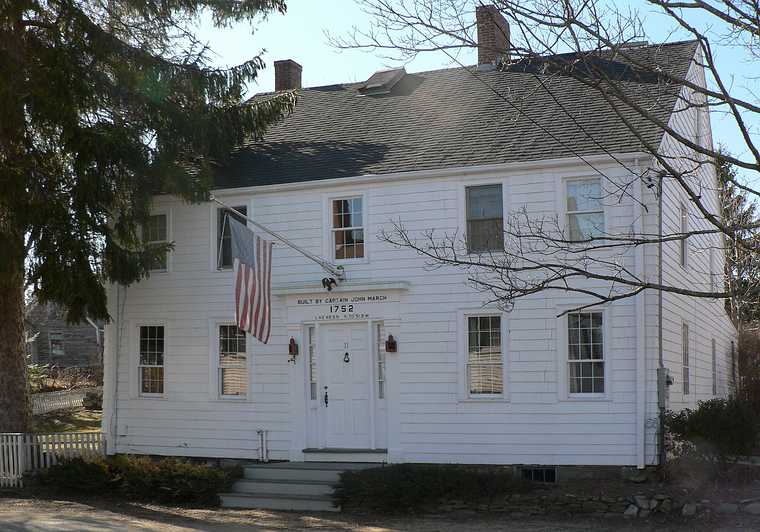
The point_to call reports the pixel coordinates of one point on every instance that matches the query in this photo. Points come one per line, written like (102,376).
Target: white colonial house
(460,381)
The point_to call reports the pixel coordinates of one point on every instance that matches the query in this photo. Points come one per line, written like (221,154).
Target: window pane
(582,226)
(152,380)
(347,213)
(485,218)
(223,232)
(155,229)
(584,195)
(234,381)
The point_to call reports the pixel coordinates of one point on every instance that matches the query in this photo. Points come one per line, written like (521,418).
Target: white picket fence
(42,403)
(25,453)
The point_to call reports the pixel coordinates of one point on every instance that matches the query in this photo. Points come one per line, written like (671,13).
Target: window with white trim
(685,368)
(713,272)
(233,362)
(485,218)
(347,228)
(312,338)
(714,369)
(683,249)
(156,234)
(485,372)
(57,344)
(585,353)
(150,367)
(224,236)
(584,209)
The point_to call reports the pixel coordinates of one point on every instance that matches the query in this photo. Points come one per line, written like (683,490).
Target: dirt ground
(42,515)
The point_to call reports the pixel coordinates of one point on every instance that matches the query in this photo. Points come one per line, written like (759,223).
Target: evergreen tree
(742,261)
(102,104)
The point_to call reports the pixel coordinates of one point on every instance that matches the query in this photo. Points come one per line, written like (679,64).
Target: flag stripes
(253,283)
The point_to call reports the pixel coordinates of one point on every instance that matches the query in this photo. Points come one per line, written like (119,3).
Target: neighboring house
(467,383)
(52,340)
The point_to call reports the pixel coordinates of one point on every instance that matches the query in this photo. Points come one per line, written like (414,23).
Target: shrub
(719,429)
(414,487)
(167,480)
(93,400)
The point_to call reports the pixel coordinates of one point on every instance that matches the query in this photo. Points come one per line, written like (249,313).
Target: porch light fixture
(390,344)
(292,350)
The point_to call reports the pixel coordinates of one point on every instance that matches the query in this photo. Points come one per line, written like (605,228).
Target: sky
(300,35)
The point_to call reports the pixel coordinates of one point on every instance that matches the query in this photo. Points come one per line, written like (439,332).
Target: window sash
(714,369)
(586,360)
(156,233)
(685,358)
(312,363)
(485,358)
(233,362)
(224,235)
(57,344)
(683,248)
(150,362)
(585,214)
(347,228)
(484,205)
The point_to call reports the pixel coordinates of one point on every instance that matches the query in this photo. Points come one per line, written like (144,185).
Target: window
(348,228)
(233,362)
(151,362)
(57,348)
(485,218)
(585,212)
(685,353)
(155,233)
(683,250)
(714,369)
(223,235)
(380,362)
(312,336)
(546,475)
(585,352)
(484,356)
(713,273)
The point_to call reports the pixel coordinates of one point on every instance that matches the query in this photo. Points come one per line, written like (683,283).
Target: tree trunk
(15,410)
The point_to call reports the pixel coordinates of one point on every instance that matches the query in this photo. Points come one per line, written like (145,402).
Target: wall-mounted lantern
(292,350)
(390,344)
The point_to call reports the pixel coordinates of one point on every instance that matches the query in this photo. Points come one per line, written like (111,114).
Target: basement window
(546,475)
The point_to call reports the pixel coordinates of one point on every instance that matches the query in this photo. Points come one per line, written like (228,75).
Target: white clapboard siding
(24,453)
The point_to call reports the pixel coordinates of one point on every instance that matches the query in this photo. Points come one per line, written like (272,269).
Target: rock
(689,509)
(661,497)
(653,503)
(728,508)
(594,506)
(642,501)
(747,501)
(666,506)
(639,477)
(752,508)
(631,511)
(643,514)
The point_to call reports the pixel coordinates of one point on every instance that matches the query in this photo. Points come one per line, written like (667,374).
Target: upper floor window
(233,362)
(585,352)
(57,348)
(348,228)
(223,235)
(151,360)
(683,247)
(585,212)
(485,218)
(485,373)
(156,233)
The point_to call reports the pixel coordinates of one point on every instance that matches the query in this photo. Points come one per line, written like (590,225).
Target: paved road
(27,515)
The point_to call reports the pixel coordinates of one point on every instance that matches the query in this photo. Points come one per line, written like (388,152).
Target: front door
(346,374)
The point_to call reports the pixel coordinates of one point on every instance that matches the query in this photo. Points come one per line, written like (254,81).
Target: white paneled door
(346,377)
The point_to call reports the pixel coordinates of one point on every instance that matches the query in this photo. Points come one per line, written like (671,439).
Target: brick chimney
(287,75)
(493,35)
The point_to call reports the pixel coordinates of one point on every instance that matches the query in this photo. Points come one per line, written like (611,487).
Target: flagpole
(337,271)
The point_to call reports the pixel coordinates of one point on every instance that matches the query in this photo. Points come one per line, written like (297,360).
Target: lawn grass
(69,420)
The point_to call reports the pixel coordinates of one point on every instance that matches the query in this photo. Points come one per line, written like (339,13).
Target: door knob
(346,358)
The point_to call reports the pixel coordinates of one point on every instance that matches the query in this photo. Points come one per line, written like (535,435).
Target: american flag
(252,273)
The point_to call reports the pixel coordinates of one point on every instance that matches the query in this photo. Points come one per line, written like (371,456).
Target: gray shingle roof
(451,118)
